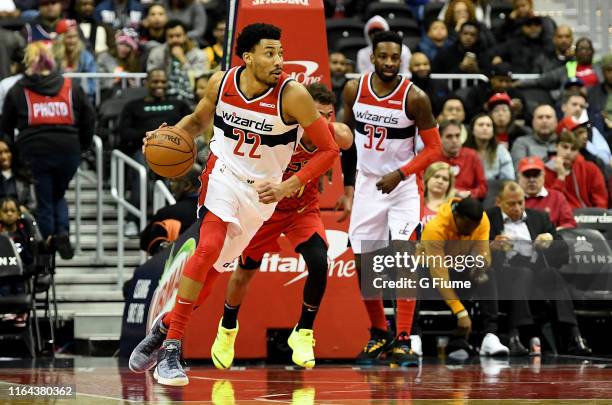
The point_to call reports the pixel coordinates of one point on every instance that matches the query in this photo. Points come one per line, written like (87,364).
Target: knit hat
(127,36)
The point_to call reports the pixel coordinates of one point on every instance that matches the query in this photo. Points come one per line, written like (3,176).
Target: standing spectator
(338,70)
(542,142)
(600,99)
(15,178)
(461,11)
(435,39)
(364,62)
(470,180)
(521,50)
(494,157)
(578,179)
(152,29)
(119,13)
(96,35)
(182,60)
(437,90)
(55,122)
(123,57)
(72,56)
(137,117)
(43,27)
(538,197)
(464,55)
(438,189)
(454,110)
(506,128)
(214,52)
(193,16)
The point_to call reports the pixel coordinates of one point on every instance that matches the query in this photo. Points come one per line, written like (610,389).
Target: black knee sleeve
(314,251)
(249,264)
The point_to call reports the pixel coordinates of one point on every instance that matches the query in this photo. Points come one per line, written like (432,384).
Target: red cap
(499,98)
(568,123)
(376,25)
(66,25)
(530,163)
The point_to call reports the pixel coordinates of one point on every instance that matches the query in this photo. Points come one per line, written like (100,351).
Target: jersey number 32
(375,137)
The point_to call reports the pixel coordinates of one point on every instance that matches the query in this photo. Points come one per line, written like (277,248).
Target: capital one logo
(303,71)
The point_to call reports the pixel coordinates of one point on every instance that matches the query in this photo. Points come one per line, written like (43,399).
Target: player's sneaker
(379,343)
(222,350)
(401,354)
(301,342)
(169,370)
(144,356)
(491,346)
(223,393)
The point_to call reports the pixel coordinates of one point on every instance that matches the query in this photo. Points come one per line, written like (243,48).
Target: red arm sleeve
(431,139)
(327,151)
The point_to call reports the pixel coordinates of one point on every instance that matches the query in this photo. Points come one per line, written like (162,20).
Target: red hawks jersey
(308,194)
(384,135)
(250,135)
(50,110)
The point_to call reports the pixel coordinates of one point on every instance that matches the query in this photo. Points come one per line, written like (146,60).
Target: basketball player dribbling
(385,110)
(257,109)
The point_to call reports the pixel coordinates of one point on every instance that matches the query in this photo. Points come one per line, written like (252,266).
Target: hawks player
(299,219)
(385,109)
(257,110)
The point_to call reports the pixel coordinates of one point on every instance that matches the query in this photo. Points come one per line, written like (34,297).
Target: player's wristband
(456,306)
(462,314)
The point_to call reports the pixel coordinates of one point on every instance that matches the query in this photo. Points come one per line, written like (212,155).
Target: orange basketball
(170,152)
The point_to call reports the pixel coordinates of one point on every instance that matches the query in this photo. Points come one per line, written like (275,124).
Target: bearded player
(257,109)
(385,110)
(299,219)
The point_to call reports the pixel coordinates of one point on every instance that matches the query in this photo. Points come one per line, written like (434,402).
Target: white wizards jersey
(384,135)
(250,136)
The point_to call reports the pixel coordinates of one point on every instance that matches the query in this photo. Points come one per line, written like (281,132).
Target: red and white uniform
(297,217)
(385,141)
(251,144)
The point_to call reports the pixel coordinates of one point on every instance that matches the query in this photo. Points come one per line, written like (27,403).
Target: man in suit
(526,258)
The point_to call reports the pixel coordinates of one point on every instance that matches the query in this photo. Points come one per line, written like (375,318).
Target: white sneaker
(131,229)
(416,345)
(491,346)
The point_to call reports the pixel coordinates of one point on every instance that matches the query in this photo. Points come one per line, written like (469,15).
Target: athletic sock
(180,316)
(309,313)
(230,316)
(403,315)
(376,312)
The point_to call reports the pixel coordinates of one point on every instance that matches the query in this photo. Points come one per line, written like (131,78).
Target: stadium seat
(350,46)
(388,11)
(595,218)
(494,186)
(500,9)
(342,28)
(431,11)
(411,42)
(406,27)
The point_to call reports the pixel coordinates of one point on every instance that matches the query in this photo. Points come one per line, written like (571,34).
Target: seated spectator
(580,181)
(521,10)
(537,197)
(182,60)
(364,62)
(141,115)
(542,141)
(459,12)
(437,90)
(454,110)
(119,13)
(470,180)
(214,52)
(50,143)
(600,99)
(514,228)
(11,225)
(43,27)
(438,188)
(338,70)
(434,40)
(17,69)
(15,178)
(171,221)
(563,41)
(521,50)
(506,128)
(95,35)
(123,57)
(574,108)
(152,29)
(582,68)
(464,55)
(500,81)
(72,55)
(193,16)
(494,157)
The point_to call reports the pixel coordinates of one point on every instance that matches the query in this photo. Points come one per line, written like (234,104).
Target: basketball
(170,152)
